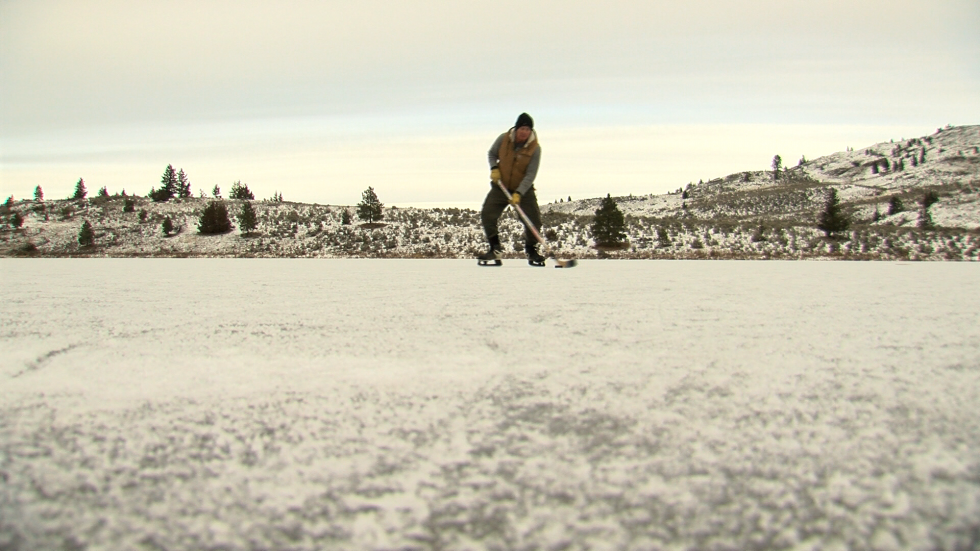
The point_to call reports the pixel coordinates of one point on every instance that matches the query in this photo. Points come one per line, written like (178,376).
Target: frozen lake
(432,404)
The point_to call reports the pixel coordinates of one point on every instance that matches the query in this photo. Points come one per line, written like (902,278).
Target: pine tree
(129,206)
(103,192)
(609,226)
(240,191)
(167,226)
(370,208)
(216,192)
(345,217)
(214,219)
(925,217)
(38,194)
(777,166)
(86,237)
(168,182)
(832,219)
(80,191)
(247,219)
(183,185)
(895,205)
(16,220)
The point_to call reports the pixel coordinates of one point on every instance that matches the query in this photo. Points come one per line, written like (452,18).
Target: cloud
(284,93)
(89,62)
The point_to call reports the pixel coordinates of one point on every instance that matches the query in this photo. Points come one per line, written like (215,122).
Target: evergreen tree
(895,205)
(832,219)
(777,166)
(80,191)
(247,219)
(183,185)
(240,191)
(86,237)
(925,220)
(129,206)
(168,182)
(216,192)
(16,221)
(925,217)
(663,238)
(103,192)
(214,219)
(370,208)
(345,217)
(609,226)
(167,226)
(38,194)
(159,195)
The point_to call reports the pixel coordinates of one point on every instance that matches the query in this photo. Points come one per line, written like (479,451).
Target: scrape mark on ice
(41,360)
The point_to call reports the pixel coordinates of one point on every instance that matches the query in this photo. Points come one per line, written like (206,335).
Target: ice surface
(359,404)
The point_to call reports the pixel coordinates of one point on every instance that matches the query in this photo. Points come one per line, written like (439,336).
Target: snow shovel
(547,250)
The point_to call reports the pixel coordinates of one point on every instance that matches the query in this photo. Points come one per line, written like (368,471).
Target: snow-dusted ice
(432,404)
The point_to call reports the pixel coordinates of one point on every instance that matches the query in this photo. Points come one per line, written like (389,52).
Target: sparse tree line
(174,183)
(608,228)
(318,231)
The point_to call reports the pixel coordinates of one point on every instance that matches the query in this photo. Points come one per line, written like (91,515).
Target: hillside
(743,215)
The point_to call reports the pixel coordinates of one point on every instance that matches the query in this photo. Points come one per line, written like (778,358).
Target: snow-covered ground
(432,404)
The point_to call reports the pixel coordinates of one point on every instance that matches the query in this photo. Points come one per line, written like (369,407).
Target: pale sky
(320,99)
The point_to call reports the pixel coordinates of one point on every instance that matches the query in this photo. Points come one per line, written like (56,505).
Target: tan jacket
(513,162)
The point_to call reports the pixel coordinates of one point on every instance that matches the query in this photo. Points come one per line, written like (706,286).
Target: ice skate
(493,255)
(533,258)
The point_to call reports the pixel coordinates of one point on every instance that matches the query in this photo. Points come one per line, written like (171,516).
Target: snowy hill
(864,178)
(743,215)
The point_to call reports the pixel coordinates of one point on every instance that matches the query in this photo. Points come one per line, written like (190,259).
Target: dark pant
(496,202)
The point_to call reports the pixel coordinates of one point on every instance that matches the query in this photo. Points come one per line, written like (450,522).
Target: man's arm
(493,154)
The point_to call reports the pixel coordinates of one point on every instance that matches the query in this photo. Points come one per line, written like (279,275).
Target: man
(514,158)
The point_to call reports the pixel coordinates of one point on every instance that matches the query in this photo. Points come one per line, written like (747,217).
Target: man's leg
(493,207)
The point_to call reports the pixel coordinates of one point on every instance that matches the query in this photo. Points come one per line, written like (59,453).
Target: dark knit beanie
(524,120)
